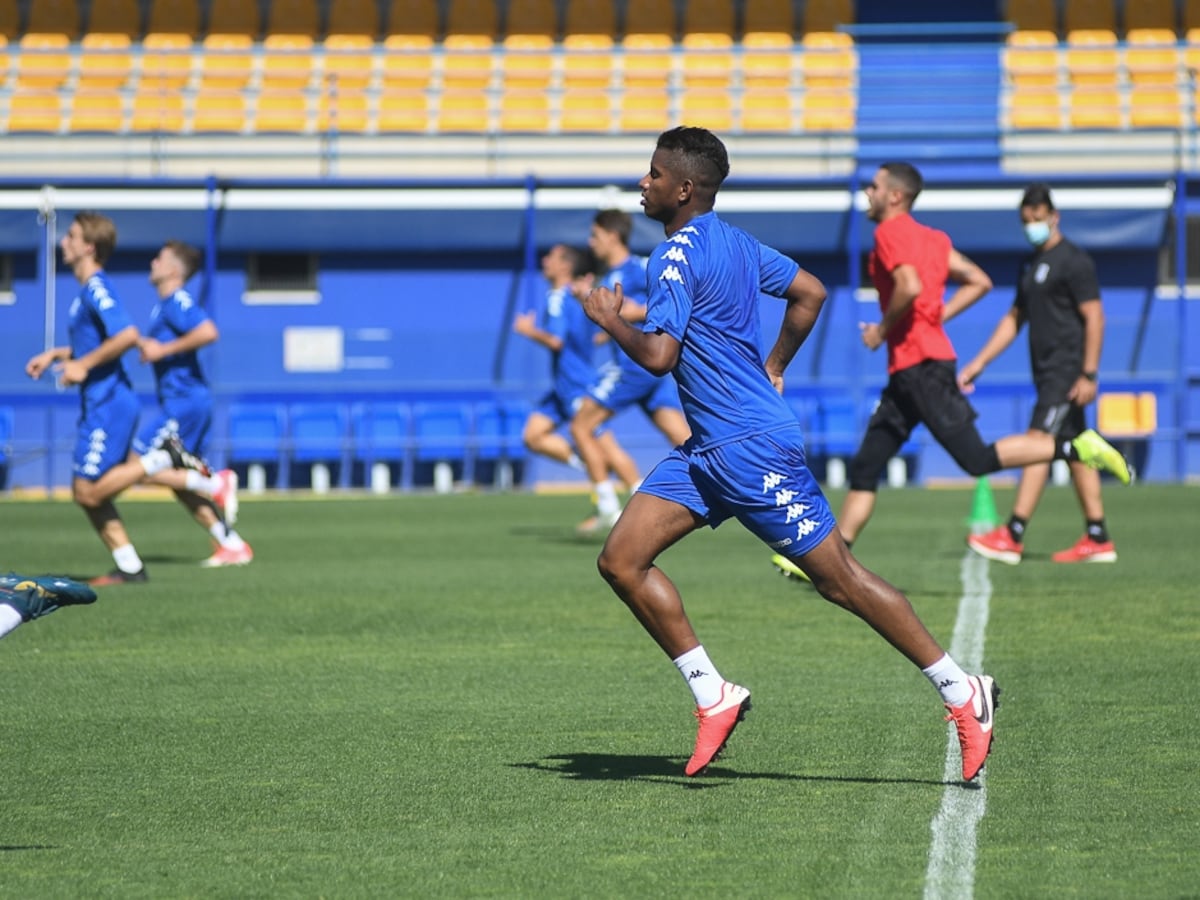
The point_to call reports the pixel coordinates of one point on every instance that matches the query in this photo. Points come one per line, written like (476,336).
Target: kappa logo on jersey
(670,273)
(784,497)
(771,481)
(675,254)
(681,237)
(805,528)
(796,510)
(184,299)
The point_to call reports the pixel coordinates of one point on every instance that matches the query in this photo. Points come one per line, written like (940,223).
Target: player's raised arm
(805,296)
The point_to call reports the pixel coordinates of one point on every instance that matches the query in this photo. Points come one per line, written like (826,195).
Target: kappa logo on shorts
(796,510)
(772,480)
(805,528)
(784,497)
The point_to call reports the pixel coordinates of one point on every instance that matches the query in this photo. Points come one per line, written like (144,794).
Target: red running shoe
(716,725)
(1087,550)
(973,721)
(997,545)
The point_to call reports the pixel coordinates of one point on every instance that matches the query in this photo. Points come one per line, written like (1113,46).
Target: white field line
(951,871)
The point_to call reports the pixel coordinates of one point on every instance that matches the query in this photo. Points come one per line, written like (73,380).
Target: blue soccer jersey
(178,376)
(96,315)
(704,285)
(574,366)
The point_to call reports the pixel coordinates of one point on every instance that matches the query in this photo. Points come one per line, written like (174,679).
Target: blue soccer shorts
(763,481)
(190,420)
(619,388)
(105,434)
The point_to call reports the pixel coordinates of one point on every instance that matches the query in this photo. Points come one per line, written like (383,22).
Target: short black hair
(615,221)
(189,256)
(907,176)
(704,158)
(582,260)
(1038,194)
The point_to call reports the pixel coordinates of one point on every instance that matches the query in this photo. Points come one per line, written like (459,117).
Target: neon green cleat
(789,568)
(1097,453)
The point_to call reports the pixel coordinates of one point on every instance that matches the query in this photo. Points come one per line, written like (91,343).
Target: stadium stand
(353,17)
(1089,15)
(98,111)
(174,17)
(44,61)
(105,61)
(54,17)
(346,109)
(1153,15)
(158,111)
(227,62)
(115,17)
(382,444)
(528,59)
(402,110)
(234,17)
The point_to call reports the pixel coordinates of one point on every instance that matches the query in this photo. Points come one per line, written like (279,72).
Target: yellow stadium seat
(768,17)
(345,111)
(349,61)
(644,110)
(219,111)
(1150,14)
(105,61)
(4,57)
(115,17)
(525,110)
(646,60)
(828,61)
(34,110)
(96,111)
(403,110)
(1152,57)
(828,110)
(768,60)
(587,61)
(528,62)
(706,60)
(1092,58)
(353,17)
(827,15)
(1032,15)
(234,17)
(1190,52)
(159,111)
(708,17)
(1155,106)
(586,110)
(711,109)
(408,62)
(294,17)
(166,61)
(287,61)
(596,17)
(1094,108)
(418,18)
(768,110)
(1032,59)
(174,17)
(1087,15)
(1127,414)
(44,60)
(10,20)
(468,62)
(282,110)
(53,17)
(464,111)
(472,17)
(1035,108)
(226,61)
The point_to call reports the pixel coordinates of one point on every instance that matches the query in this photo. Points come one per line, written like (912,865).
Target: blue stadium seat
(319,433)
(6,433)
(499,450)
(382,435)
(256,433)
(441,434)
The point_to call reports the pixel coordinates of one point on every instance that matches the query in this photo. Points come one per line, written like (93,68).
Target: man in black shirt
(1059,297)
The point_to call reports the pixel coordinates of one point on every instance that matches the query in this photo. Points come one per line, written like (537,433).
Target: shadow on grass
(617,767)
(16,848)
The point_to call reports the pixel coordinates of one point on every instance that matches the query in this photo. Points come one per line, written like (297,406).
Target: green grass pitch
(437,696)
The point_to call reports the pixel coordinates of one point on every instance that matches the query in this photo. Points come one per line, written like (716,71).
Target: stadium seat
(531,17)
(115,17)
(586,110)
(256,433)
(345,110)
(1032,15)
(31,109)
(706,61)
(44,61)
(525,111)
(353,17)
(767,110)
(1152,57)
(647,60)
(828,110)
(644,110)
(466,111)
(1092,58)
(105,61)
(767,61)
(408,62)
(709,17)
(414,18)
(1032,59)
(828,61)
(1127,414)
(441,435)
(287,61)
(594,17)
(282,110)
(1094,108)
(403,111)
(499,451)
(234,17)
(1149,14)
(226,62)
(827,15)
(319,436)
(1089,15)
(349,61)
(174,17)
(587,61)
(1190,52)
(166,61)
(157,111)
(381,437)
(478,18)
(295,17)
(1035,108)
(711,109)
(219,111)
(53,17)
(96,111)
(528,62)
(1156,106)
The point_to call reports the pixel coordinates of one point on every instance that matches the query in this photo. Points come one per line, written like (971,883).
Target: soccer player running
(622,383)
(562,328)
(1058,294)
(745,458)
(24,598)
(910,266)
(179,327)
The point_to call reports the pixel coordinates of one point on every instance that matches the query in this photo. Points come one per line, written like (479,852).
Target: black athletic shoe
(182,459)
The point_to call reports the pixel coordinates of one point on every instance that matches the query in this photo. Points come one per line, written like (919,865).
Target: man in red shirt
(910,266)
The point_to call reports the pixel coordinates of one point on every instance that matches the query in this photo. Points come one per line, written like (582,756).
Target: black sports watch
(1090,376)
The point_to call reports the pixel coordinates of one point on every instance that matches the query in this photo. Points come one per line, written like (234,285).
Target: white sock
(575,462)
(200,484)
(701,676)
(950,681)
(127,559)
(155,461)
(9,619)
(607,503)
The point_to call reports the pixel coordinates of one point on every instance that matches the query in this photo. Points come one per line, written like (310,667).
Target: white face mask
(1037,233)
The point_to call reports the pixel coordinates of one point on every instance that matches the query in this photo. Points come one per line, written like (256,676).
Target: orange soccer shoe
(1087,550)
(997,545)
(973,721)
(716,725)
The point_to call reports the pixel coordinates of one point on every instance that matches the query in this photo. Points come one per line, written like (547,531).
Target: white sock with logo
(701,676)
(127,559)
(9,619)
(950,681)
(155,461)
(607,503)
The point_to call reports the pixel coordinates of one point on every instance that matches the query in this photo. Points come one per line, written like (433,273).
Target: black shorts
(927,392)
(1055,414)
